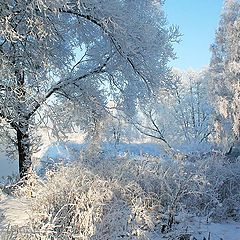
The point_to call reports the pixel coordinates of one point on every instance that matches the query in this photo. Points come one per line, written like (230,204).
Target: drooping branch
(64,83)
(153,132)
(112,39)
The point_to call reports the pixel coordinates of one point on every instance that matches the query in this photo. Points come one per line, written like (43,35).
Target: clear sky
(197,20)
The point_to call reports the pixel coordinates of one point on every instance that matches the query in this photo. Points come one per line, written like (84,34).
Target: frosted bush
(76,201)
(104,197)
(219,186)
(224,176)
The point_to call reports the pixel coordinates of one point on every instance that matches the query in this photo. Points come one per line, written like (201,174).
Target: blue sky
(197,20)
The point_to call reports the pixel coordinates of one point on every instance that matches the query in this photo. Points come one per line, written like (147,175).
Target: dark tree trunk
(23,141)
(24,157)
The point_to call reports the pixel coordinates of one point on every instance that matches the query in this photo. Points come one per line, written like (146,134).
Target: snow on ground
(201,227)
(226,231)
(14,211)
(69,151)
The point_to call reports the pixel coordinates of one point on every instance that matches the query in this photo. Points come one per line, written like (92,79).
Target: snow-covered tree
(179,114)
(225,74)
(191,109)
(79,50)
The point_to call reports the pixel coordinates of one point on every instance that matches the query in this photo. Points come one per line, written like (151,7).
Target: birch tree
(73,49)
(225,74)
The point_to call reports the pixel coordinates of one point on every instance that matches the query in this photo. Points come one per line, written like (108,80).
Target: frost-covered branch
(66,82)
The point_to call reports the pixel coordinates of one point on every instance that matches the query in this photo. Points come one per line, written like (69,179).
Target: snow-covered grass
(107,196)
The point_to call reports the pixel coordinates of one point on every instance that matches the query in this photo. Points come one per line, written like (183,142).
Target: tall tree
(225,73)
(74,48)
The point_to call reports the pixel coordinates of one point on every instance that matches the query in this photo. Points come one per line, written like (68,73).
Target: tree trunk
(23,143)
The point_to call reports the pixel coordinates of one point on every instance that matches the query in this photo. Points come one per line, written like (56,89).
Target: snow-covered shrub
(111,198)
(77,202)
(106,197)
(17,234)
(225,177)
(220,194)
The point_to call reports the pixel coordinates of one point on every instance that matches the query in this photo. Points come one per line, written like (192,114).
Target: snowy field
(22,211)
